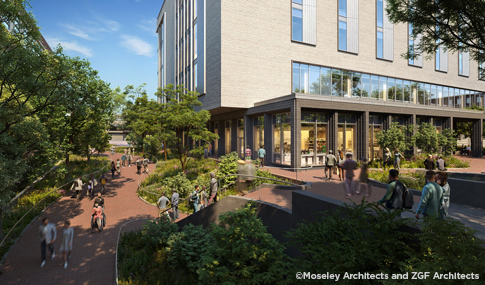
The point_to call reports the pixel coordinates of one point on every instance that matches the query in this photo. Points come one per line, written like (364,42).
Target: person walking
(441,164)
(194,198)
(47,236)
(349,166)
(162,204)
(113,169)
(364,186)
(145,165)
(442,180)
(330,162)
(431,198)
(391,188)
(129,157)
(210,149)
(77,185)
(397,159)
(213,188)
(261,155)
(66,243)
(138,166)
(103,181)
(123,160)
(248,153)
(113,150)
(118,166)
(175,204)
(387,158)
(90,188)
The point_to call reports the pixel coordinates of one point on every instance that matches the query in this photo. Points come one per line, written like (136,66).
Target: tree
(183,124)
(427,138)
(447,141)
(456,26)
(396,137)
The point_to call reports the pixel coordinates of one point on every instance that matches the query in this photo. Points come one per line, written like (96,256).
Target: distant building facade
(304,77)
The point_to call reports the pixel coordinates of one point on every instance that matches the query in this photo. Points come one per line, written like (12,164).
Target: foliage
(412,180)
(228,165)
(267,174)
(455,28)
(396,137)
(183,124)
(447,246)
(187,247)
(351,240)
(453,162)
(243,251)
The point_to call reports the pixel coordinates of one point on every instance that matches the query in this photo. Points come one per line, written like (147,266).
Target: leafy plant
(243,251)
(228,165)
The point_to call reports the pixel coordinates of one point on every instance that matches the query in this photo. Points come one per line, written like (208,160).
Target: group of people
(126,160)
(388,159)
(78,184)
(431,165)
(47,235)
(435,196)
(466,150)
(346,170)
(198,197)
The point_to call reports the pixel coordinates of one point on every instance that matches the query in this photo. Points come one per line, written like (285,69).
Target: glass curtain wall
(336,82)
(313,138)
(375,126)
(282,139)
(347,134)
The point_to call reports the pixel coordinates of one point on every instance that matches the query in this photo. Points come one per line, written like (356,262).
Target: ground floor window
(240,138)
(347,135)
(228,136)
(375,126)
(258,132)
(282,139)
(313,135)
(216,142)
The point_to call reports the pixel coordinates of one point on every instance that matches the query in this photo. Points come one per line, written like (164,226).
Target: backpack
(402,198)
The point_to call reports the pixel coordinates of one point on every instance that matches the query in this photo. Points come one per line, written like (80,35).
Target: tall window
(195,40)
(380,13)
(460,63)
(380,45)
(342,35)
(297,24)
(195,77)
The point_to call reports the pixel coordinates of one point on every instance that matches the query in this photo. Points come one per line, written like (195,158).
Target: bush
(187,247)
(351,240)
(243,252)
(228,165)
(412,180)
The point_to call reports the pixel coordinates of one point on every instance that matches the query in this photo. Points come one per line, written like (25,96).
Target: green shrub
(243,252)
(351,240)
(156,233)
(412,180)
(187,247)
(228,165)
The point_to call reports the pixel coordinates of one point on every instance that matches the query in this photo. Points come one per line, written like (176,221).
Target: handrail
(15,225)
(117,243)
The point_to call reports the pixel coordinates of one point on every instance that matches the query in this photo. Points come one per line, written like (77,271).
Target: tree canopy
(456,26)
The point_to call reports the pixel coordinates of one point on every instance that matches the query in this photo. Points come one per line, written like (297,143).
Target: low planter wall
(467,192)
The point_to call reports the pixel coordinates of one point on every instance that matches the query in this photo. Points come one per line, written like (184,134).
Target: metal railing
(45,204)
(301,168)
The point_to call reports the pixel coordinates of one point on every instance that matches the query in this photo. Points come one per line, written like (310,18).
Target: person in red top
(248,153)
(98,214)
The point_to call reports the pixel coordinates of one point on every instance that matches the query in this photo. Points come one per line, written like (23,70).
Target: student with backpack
(398,196)
(194,198)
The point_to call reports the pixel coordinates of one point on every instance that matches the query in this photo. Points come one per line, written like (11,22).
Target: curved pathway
(93,255)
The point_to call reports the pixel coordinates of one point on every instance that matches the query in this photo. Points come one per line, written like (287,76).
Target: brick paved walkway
(93,257)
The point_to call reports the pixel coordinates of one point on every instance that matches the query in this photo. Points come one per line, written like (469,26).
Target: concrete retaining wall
(467,176)
(467,192)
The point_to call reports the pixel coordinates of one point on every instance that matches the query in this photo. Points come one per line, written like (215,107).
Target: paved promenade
(470,216)
(93,256)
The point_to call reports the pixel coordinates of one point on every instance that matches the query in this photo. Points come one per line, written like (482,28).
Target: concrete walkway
(93,256)
(470,216)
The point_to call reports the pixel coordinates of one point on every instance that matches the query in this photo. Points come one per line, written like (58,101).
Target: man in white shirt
(47,235)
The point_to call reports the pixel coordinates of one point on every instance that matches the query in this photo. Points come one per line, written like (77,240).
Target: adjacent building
(303,77)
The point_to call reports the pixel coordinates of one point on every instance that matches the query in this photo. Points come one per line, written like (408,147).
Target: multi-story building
(297,75)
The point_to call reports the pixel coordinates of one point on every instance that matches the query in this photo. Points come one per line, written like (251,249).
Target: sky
(117,36)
